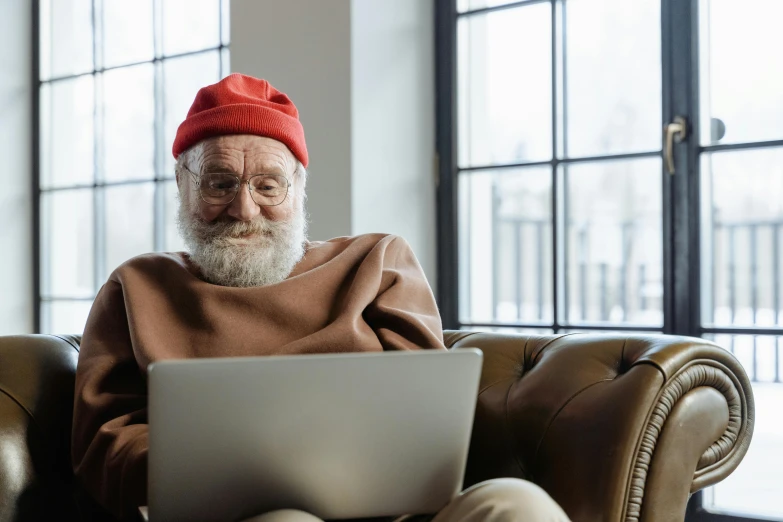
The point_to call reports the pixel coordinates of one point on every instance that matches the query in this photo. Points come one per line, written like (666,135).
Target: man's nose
(243,208)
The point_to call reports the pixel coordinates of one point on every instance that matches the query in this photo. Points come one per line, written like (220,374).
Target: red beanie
(240,104)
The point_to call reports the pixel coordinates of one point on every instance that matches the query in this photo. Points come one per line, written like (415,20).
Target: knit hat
(240,104)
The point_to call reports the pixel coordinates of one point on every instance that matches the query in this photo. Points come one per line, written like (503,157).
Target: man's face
(243,155)
(242,243)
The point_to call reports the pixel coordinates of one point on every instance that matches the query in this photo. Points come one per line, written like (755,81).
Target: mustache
(242,228)
(222,230)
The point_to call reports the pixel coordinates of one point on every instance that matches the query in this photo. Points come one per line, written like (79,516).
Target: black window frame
(681,192)
(160,176)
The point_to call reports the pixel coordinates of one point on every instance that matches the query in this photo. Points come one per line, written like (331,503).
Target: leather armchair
(616,428)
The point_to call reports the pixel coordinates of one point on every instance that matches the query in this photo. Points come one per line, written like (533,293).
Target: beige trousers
(498,500)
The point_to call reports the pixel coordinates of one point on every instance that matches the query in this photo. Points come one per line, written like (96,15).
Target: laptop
(340,435)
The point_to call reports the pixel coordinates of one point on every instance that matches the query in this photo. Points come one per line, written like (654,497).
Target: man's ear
(178,175)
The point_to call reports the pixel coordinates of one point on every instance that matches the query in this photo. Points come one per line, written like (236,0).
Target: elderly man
(250,284)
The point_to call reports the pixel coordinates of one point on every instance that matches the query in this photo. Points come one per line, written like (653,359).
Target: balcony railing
(746,280)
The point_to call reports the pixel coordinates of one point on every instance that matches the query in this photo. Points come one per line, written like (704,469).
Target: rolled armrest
(614,427)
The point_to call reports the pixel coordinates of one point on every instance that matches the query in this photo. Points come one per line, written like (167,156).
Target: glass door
(617,165)
(740,148)
(559,165)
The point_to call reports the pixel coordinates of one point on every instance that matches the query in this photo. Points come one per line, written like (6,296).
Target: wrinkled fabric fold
(358,294)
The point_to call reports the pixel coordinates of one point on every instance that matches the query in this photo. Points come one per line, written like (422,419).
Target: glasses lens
(269,189)
(218,188)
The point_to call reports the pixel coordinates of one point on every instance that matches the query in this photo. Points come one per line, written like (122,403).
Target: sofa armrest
(614,427)
(36,401)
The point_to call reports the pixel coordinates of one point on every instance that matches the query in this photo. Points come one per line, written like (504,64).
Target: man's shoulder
(370,240)
(153,262)
(360,245)
(386,249)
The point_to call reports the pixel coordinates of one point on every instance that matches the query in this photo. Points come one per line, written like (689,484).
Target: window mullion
(556,209)
(680,190)
(446,109)
(36,164)
(159,236)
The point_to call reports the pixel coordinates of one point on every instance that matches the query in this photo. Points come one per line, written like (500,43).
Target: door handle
(674,132)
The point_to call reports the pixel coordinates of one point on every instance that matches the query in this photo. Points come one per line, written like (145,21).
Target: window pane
(67,243)
(505,86)
(741,70)
(183,78)
(64,317)
(742,249)
(472,5)
(614,267)
(129,222)
(67,132)
(225,5)
(225,62)
(505,237)
(65,37)
(190,25)
(613,76)
(129,123)
(754,488)
(173,240)
(127,32)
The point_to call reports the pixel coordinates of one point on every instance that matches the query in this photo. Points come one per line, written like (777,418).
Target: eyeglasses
(221,188)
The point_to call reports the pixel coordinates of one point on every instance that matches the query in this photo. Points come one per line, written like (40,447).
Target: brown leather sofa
(615,428)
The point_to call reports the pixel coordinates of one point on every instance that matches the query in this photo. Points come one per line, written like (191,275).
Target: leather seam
(534,358)
(460,337)
(23,407)
(672,392)
(557,414)
(508,432)
(67,341)
(746,424)
(654,365)
(488,386)
(622,354)
(664,384)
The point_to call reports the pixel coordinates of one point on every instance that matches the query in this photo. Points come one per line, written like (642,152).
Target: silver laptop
(340,436)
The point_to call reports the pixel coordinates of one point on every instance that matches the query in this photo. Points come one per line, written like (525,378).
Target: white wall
(393,122)
(16,287)
(361,74)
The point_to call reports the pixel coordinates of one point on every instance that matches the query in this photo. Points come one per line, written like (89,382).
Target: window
(116,79)
(557,210)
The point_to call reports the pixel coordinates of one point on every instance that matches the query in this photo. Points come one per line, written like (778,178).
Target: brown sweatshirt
(364,293)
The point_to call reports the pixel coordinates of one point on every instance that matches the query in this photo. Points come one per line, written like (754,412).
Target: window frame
(160,176)
(681,193)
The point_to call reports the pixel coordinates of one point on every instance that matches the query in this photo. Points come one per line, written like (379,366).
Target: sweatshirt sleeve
(404,315)
(109,437)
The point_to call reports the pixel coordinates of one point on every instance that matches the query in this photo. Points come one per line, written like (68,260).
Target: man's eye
(266,184)
(218,180)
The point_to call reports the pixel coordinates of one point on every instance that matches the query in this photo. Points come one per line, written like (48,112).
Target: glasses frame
(197,181)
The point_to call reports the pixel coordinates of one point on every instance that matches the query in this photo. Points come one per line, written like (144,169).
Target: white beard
(265,259)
